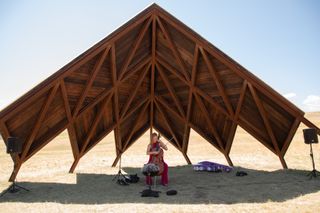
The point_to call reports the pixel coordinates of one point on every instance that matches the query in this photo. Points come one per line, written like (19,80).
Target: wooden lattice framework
(153,72)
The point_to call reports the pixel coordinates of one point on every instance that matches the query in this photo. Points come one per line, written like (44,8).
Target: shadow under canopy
(193,188)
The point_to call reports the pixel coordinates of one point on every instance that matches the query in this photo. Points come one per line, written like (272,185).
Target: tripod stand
(119,175)
(314,173)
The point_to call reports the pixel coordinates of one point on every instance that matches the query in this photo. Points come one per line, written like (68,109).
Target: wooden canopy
(153,72)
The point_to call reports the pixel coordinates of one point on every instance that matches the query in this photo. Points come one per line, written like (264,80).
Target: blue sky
(277,40)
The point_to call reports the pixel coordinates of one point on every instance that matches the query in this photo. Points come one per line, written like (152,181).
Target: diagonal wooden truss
(153,72)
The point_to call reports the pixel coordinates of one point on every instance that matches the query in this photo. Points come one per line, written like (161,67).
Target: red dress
(164,176)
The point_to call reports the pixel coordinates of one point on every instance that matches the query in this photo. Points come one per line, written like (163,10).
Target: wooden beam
(186,133)
(236,117)
(187,158)
(133,109)
(116,160)
(73,140)
(171,90)
(200,132)
(166,105)
(5,134)
(134,92)
(216,78)
(71,131)
(89,83)
(95,124)
(100,137)
(174,49)
(40,89)
(228,159)
(152,80)
(117,133)
(174,71)
(168,125)
(211,126)
(39,121)
(134,48)
(230,63)
(266,121)
(217,106)
(290,135)
(15,171)
(65,101)
(142,113)
(195,89)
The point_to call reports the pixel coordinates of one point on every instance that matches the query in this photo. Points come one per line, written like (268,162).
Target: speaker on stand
(310,137)
(14,146)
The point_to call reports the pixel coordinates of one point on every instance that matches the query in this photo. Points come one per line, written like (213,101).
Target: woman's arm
(151,152)
(163,146)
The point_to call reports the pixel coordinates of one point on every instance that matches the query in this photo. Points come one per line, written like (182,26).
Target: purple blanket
(211,167)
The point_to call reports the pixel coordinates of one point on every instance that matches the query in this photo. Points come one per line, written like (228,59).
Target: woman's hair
(154,134)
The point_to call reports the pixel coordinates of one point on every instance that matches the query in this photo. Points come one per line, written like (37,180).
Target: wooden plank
(117,133)
(290,135)
(65,100)
(205,96)
(230,63)
(201,132)
(174,49)
(141,114)
(71,130)
(39,121)
(92,76)
(44,86)
(265,119)
(207,117)
(99,138)
(236,117)
(166,105)
(153,53)
(95,124)
(134,48)
(187,158)
(73,140)
(168,126)
(134,109)
(171,90)
(134,92)
(47,139)
(216,78)
(108,91)
(186,134)
(175,72)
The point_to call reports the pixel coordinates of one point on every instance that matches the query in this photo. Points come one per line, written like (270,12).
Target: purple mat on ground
(211,167)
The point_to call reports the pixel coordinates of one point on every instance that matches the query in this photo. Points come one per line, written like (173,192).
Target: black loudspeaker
(14,146)
(310,136)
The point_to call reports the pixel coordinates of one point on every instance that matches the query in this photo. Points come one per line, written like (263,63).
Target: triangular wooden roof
(153,72)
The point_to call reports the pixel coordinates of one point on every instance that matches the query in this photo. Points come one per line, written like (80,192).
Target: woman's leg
(164,176)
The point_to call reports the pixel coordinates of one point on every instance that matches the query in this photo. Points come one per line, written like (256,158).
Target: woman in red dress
(153,144)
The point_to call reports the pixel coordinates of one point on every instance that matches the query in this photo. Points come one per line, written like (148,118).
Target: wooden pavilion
(153,72)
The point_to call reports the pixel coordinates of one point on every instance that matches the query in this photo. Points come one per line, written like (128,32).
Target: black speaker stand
(119,175)
(314,173)
(13,188)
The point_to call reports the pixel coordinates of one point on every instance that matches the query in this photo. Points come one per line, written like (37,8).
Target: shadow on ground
(193,188)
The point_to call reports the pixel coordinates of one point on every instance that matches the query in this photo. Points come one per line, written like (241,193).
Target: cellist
(154,150)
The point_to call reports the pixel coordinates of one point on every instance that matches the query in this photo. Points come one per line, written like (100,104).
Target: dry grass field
(267,188)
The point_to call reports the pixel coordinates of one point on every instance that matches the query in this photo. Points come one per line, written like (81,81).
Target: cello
(158,159)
